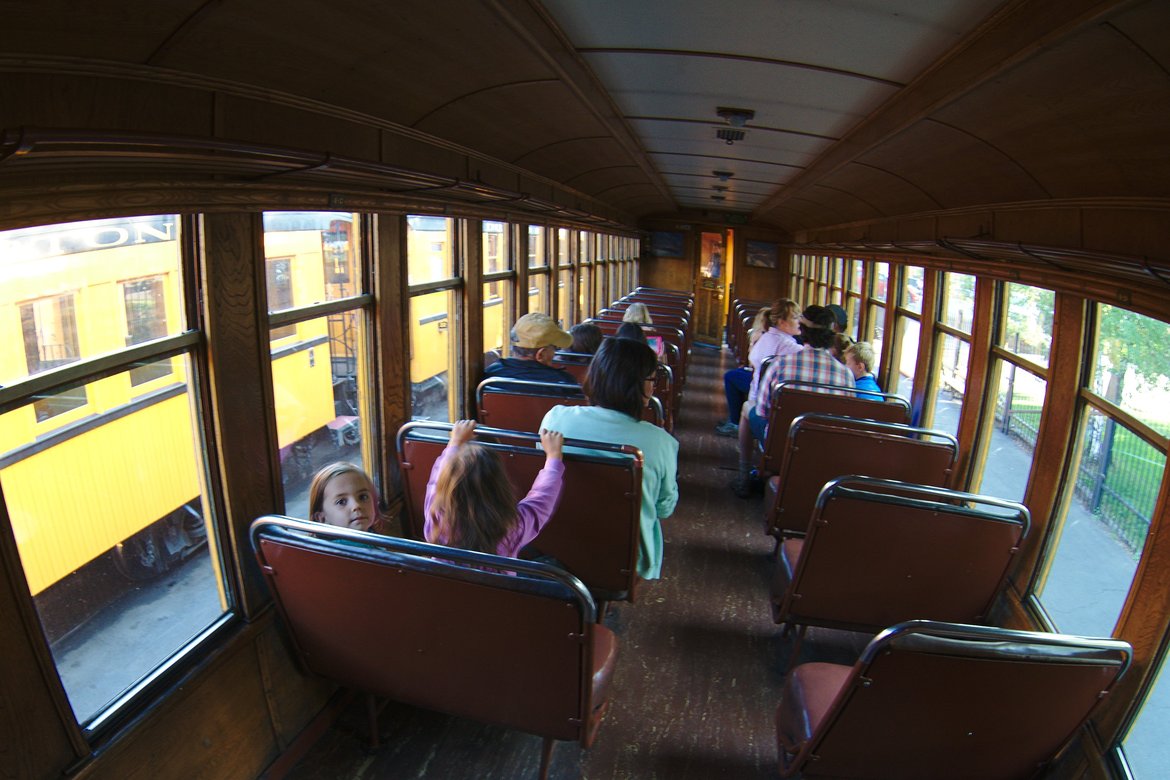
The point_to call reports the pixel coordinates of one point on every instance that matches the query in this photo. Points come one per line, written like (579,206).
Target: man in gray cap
(535,340)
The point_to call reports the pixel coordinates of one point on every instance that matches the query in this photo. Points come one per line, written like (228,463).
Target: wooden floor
(700,666)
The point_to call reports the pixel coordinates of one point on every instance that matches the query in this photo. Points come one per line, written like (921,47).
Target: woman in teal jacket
(620,384)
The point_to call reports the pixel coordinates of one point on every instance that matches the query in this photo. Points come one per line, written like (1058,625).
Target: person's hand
(463,432)
(553,443)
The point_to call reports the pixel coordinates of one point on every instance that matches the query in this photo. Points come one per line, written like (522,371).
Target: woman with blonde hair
(638,314)
(781,324)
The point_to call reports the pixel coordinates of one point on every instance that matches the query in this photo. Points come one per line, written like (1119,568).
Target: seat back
(791,399)
(520,404)
(594,532)
(576,363)
(823,447)
(420,624)
(929,699)
(879,552)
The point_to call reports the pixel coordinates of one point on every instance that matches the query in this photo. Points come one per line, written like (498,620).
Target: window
(537,246)
(114,542)
(565,298)
(49,330)
(146,319)
(498,290)
(319,359)
(1020,390)
(434,312)
(953,350)
(1115,478)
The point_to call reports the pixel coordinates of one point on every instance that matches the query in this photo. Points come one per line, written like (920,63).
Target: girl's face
(349,502)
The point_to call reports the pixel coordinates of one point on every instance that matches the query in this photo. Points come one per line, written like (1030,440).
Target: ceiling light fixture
(719,187)
(730,135)
(718,197)
(722,175)
(736,117)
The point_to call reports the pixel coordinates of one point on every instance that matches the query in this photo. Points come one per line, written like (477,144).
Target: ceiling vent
(736,117)
(729,134)
(718,197)
(722,175)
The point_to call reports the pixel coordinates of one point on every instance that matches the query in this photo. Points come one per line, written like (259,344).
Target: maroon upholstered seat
(441,628)
(879,552)
(928,700)
(822,447)
(594,532)
(520,405)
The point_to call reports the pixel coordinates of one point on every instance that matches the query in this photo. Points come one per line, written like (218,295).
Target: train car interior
(243,242)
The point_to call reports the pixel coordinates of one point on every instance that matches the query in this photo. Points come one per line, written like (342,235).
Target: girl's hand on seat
(463,432)
(553,443)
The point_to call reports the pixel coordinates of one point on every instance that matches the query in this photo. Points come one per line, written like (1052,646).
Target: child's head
(859,358)
(631,330)
(638,313)
(586,338)
(342,494)
(474,500)
(841,343)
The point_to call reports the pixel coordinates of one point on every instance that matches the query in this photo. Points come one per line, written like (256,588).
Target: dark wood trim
(1054,439)
(973,444)
(391,355)
(471,321)
(240,387)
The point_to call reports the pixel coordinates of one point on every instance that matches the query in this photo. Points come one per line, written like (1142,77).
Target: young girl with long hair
(342,494)
(470,503)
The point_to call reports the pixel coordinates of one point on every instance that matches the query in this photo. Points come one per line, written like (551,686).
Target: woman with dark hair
(620,384)
(586,338)
(632,331)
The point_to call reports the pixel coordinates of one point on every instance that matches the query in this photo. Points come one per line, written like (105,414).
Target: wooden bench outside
(443,629)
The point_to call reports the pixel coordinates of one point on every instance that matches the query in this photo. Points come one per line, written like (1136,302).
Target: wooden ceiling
(863,111)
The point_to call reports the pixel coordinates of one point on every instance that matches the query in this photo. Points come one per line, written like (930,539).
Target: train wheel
(143,556)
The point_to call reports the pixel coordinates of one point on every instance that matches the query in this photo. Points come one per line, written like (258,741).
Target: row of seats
(519,642)
(871,534)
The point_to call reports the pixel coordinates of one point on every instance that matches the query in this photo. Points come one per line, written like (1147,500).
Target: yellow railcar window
(102,473)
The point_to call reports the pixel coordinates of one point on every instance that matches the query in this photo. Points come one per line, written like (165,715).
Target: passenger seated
(840,318)
(586,338)
(859,360)
(469,502)
(841,342)
(342,494)
(535,340)
(776,329)
(638,314)
(633,332)
(620,384)
(814,363)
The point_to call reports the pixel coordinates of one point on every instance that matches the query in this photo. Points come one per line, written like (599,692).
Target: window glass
(564,248)
(1027,329)
(908,357)
(912,288)
(146,319)
(1130,368)
(433,353)
(109,517)
(318,392)
(565,298)
(855,277)
(1018,400)
(496,254)
(497,320)
(951,385)
(877,326)
(1103,528)
(881,279)
(430,249)
(1147,751)
(538,293)
(537,246)
(311,257)
(584,289)
(959,301)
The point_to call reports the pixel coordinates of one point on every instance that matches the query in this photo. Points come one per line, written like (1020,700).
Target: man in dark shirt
(535,340)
